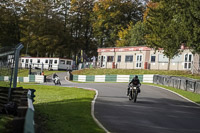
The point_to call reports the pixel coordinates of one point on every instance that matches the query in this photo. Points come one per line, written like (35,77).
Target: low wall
(183,83)
(30,78)
(112,78)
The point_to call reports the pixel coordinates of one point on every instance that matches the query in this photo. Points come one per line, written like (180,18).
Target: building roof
(124,49)
(47,58)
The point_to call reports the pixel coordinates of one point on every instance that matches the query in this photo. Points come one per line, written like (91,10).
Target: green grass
(190,95)
(24,72)
(100,71)
(4,84)
(63,109)
(5,123)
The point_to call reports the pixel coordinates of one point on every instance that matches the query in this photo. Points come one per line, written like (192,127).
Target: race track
(156,111)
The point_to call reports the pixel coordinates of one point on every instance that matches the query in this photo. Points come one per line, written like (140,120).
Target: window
(38,61)
(188,61)
(22,60)
(26,60)
(119,58)
(69,63)
(31,60)
(110,58)
(129,58)
(55,61)
(62,61)
(153,58)
(46,61)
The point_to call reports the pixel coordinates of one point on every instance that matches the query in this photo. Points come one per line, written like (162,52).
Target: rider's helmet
(136,76)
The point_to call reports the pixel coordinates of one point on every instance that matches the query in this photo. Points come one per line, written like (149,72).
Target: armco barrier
(167,80)
(29,119)
(111,78)
(148,78)
(155,79)
(90,78)
(75,77)
(175,82)
(82,78)
(197,88)
(99,78)
(183,83)
(172,81)
(30,78)
(123,78)
(191,84)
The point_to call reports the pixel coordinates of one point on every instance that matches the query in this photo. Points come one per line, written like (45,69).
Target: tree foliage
(110,16)
(188,16)
(161,27)
(63,28)
(134,35)
(172,23)
(9,23)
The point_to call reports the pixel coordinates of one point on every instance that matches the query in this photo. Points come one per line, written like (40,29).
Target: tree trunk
(169,64)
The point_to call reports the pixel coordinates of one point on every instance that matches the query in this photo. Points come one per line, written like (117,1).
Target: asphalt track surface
(156,110)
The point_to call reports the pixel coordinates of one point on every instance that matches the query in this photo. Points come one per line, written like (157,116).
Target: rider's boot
(128,91)
(139,90)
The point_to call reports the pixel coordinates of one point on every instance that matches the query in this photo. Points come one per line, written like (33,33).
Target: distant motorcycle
(133,92)
(56,81)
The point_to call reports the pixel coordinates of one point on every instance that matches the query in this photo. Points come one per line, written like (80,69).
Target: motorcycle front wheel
(130,95)
(135,96)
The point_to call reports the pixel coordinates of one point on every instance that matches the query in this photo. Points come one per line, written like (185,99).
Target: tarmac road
(156,111)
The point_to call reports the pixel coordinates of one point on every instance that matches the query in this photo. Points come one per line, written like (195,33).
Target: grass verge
(63,109)
(5,123)
(190,95)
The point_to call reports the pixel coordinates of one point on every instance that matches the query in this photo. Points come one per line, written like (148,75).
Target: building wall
(129,65)
(48,63)
(176,64)
(184,61)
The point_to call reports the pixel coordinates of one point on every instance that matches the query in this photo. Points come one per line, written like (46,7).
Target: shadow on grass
(73,115)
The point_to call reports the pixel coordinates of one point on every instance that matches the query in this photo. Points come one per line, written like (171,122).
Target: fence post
(16,58)
(17,51)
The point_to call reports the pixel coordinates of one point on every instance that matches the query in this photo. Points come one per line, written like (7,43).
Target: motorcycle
(57,81)
(133,92)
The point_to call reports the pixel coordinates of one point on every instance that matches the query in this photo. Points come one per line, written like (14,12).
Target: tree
(9,23)
(124,36)
(110,16)
(188,16)
(162,28)
(132,36)
(81,27)
(42,29)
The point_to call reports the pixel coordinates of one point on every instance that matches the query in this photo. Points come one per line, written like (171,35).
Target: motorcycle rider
(136,82)
(54,78)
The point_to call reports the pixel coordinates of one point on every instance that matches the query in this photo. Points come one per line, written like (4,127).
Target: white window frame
(187,63)
(139,62)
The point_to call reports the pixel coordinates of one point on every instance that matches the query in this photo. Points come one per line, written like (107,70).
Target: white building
(47,63)
(142,57)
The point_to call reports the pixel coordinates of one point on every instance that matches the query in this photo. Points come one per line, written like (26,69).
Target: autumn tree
(110,16)
(134,35)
